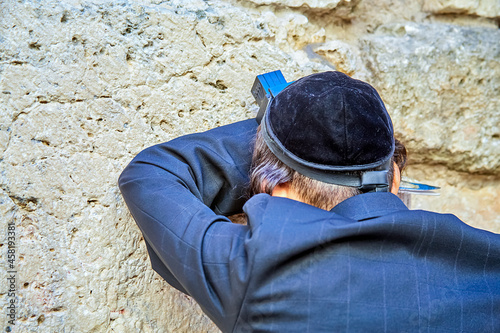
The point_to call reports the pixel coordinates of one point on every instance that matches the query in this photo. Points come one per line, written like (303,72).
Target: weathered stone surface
(486,8)
(342,56)
(441,84)
(473,198)
(85,85)
(346,5)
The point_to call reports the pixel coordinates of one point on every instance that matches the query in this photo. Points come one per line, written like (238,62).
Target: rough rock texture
(473,198)
(340,8)
(487,8)
(86,84)
(441,84)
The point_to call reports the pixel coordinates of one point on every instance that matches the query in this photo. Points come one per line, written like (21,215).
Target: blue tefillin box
(265,87)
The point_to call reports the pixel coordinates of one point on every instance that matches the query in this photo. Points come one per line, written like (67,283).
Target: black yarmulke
(329,122)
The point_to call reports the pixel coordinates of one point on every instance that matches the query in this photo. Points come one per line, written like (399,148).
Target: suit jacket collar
(368,206)
(358,208)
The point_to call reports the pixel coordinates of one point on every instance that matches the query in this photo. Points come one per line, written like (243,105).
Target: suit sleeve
(182,190)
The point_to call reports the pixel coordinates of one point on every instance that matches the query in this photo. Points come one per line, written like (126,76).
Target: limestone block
(313,4)
(341,55)
(290,29)
(441,84)
(479,193)
(336,8)
(486,8)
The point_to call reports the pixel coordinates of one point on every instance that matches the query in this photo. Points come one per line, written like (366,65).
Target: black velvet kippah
(329,122)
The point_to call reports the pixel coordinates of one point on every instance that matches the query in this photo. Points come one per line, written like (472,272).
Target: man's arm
(175,190)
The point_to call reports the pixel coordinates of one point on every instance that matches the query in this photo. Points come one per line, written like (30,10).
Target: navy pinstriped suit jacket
(369,265)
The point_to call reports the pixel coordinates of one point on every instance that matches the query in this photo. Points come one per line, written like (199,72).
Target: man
(328,246)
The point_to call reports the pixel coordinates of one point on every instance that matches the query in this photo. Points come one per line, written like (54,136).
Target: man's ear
(285,190)
(281,190)
(396,180)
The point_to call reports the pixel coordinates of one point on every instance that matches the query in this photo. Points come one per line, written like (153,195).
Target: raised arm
(177,190)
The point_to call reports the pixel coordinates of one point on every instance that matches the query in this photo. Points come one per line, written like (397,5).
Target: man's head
(326,137)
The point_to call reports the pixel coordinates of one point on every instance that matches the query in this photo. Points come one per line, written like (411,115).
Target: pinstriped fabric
(485,272)
(369,265)
(456,280)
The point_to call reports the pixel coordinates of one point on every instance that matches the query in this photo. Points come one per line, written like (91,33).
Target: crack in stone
(23,202)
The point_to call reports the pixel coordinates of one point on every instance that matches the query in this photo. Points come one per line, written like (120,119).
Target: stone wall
(86,85)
